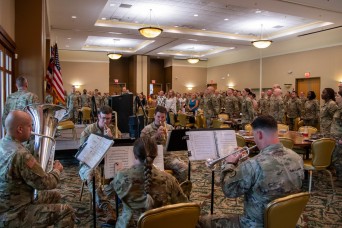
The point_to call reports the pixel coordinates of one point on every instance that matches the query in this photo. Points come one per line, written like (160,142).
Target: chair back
(223,116)
(182,118)
(217,123)
(248,128)
(86,113)
(199,121)
(150,113)
(287,142)
(283,127)
(285,212)
(172,118)
(241,142)
(322,150)
(170,216)
(311,130)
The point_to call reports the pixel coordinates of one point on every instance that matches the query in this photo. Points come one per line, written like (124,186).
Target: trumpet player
(157,130)
(103,127)
(275,172)
(20,174)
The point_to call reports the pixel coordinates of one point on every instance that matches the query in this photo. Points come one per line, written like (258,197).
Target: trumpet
(210,163)
(165,129)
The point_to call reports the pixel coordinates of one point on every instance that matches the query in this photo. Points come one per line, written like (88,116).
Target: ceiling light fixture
(193,60)
(113,55)
(151,31)
(262,43)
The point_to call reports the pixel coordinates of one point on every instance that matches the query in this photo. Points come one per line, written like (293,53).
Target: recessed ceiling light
(69,38)
(103,18)
(116,33)
(73,17)
(258,11)
(226,19)
(195,15)
(203,29)
(176,26)
(67,46)
(111,4)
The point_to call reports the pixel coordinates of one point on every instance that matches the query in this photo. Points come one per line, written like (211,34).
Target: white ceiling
(220,27)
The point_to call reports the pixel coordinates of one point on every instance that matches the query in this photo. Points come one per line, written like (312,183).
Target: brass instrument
(210,163)
(163,124)
(45,125)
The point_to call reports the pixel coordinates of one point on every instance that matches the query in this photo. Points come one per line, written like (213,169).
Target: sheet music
(93,150)
(202,145)
(121,157)
(226,142)
(60,114)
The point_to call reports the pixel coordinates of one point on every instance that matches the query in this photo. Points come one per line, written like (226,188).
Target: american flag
(54,82)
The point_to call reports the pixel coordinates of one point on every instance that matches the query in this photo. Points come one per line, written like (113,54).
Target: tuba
(45,118)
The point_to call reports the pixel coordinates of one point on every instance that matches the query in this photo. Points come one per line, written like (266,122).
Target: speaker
(136,124)
(123,105)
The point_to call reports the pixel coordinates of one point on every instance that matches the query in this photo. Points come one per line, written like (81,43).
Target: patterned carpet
(323,210)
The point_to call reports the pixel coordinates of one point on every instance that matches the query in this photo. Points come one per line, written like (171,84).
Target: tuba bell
(45,118)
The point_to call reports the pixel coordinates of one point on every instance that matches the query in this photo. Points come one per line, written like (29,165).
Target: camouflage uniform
(293,111)
(326,115)
(85,100)
(263,105)
(20,174)
(200,102)
(86,173)
(277,109)
(98,101)
(247,111)
(49,99)
(171,161)
(275,172)
(231,106)
(211,108)
(18,101)
(336,131)
(73,104)
(310,113)
(129,185)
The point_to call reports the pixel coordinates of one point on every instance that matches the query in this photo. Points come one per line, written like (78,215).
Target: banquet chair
(217,123)
(86,114)
(321,151)
(66,125)
(248,127)
(287,142)
(150,114)
(199,121)
(170,216)
(240,140)
(311,130)
(183,121)
(285,212)
(223,116)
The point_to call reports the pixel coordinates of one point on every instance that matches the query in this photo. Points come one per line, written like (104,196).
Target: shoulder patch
(31,162)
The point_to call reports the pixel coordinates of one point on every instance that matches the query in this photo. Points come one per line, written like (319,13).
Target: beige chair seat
(66,125)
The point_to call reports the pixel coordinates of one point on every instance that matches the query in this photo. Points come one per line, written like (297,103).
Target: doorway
(155,88)
(115,89)
(309,84)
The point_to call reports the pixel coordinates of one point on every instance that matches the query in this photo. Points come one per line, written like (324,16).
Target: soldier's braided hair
(145,149)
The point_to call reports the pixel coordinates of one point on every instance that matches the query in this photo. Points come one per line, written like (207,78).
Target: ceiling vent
(127,6)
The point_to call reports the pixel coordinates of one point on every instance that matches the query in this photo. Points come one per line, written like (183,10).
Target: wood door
(116,88)
(309,84)
(157,87)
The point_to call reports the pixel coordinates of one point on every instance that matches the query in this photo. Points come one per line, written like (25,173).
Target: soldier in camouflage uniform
(49,99)
(293,110)
(20,99)
(73,103)
(275,172)
(231,104)
(328,110)
(85,99)
(157,130)
(102,127)
(247,109)
(277,106)
(143,187)
(211,107)
(336,132)
(302,99)
(20,174)
(263,105)
(310,114)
